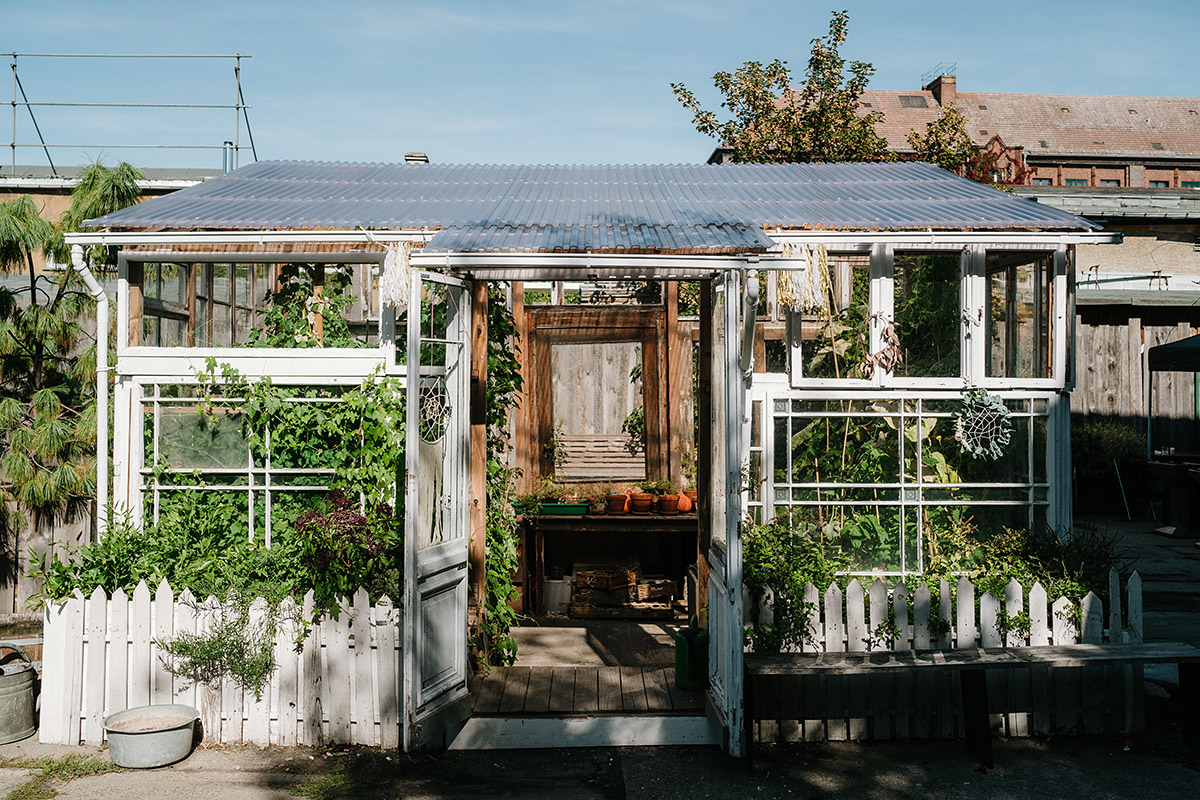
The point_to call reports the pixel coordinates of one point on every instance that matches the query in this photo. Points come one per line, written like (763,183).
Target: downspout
(97,292)
(749,318)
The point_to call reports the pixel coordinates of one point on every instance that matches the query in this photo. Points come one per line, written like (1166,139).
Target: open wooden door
(725,513)
(437,438)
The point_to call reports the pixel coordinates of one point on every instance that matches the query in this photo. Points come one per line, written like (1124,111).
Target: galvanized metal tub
(18,719)
(151,736)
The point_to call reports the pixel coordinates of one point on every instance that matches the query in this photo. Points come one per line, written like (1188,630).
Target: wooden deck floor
(575,691)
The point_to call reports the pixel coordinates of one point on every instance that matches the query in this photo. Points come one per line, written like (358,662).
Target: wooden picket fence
(1040,700)
(342,686)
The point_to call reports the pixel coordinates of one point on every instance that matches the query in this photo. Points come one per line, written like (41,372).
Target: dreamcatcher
(433,411)
(982,425)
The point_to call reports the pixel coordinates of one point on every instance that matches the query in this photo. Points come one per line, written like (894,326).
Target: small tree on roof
(775,123)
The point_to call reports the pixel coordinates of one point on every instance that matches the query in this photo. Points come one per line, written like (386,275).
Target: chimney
(944,88)
(416,158)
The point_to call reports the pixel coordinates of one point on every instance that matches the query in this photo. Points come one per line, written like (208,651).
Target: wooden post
(704,456)
(674,390)
(318,292)
(477,548)
(191,303)
(523,436)
(137,275)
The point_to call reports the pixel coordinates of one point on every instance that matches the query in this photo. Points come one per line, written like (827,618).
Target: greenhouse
(878,355)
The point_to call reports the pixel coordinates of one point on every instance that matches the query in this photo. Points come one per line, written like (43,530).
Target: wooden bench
(971,664)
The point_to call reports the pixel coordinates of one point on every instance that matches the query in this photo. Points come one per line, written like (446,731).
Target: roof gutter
(129,238)
(850,240)
(839,240)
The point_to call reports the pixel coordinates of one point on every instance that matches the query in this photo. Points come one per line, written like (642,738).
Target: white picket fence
(341,687)
(1040,700)
(849,621)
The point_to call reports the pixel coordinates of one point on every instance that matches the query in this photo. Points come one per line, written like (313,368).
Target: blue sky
(531,82)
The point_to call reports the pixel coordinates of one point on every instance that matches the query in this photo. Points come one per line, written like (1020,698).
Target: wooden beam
(318,274)
(677,387)
(191,304)
(705,449)
(523,417)
(477,512)
(137,276)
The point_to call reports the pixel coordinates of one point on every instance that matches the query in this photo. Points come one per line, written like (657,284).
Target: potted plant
(616,501)
(665,494)
(549,497)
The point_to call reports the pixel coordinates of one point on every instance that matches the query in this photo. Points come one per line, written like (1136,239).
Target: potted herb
(665,494)
(616,501)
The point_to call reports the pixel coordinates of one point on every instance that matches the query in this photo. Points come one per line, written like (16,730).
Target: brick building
(1131,164)
(1069,140)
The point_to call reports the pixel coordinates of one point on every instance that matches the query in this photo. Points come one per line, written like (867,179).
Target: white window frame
(973,305)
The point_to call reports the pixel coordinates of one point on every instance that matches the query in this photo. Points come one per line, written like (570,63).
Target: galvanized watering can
(18,719)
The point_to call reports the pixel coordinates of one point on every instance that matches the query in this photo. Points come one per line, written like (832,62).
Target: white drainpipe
(749,318)
(97,292)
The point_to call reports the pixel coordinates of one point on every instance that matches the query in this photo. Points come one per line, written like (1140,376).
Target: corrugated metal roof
(689,208)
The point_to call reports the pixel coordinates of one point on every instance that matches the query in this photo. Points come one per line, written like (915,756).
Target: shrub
(1094,446)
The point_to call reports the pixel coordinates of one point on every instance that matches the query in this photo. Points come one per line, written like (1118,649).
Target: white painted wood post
(1063,622)
(966,614)
(210,696)
(1114,607)
(1137,631)
(1093,619)
(878,599)
(903,640)
(140,634)
(185,622)
(73,687)
(258,707)
(52,722)
(989,613)
(389,684)
(117,666)
(834,627)
(921,608)
(312,677)
(856,623)
(1014,604)
(363,731)
(93,689)
(944,612)
(812,614)
(162,686)
(337,654)
(288,674)
(1039,632)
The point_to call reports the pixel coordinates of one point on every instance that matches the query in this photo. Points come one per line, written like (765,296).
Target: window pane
(599,430)
(835,337)
(927,314)
(1018,319)
(191,440)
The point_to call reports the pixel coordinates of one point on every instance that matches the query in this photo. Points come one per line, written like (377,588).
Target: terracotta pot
(691,495)
(667,504)
(641,503)
(615,503)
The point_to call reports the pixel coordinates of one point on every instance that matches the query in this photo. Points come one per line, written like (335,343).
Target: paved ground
(1158,763)
(1084,768)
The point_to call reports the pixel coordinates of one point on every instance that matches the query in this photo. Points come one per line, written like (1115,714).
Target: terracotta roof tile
(1099,125)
